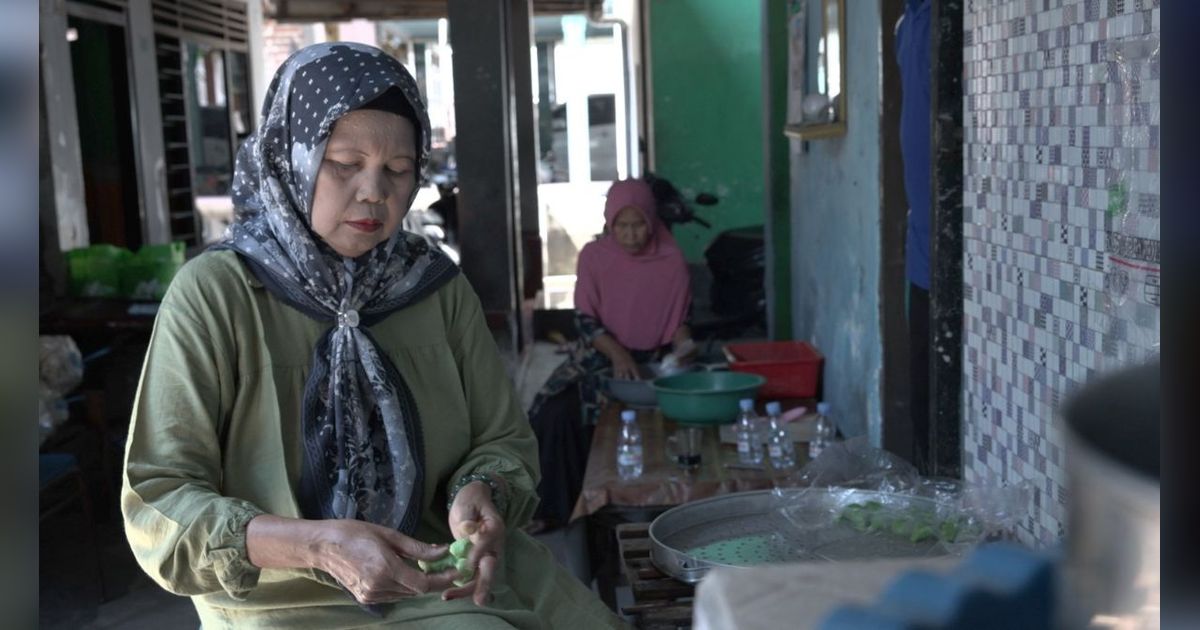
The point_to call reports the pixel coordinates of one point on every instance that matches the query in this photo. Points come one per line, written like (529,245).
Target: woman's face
(631,230)
(366,181)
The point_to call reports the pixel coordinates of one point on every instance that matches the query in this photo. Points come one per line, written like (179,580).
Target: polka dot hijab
(362,434)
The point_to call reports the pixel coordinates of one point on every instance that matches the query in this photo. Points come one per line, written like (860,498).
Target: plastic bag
(875,504)
(60,370)
(61,365)
(997,510)
(854,463)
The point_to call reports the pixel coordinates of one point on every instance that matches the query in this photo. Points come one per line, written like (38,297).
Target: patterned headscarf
(641,299)
(362,434)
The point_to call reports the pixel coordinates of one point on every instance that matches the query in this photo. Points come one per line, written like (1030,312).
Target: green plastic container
(146,275)
(96,270)
(705,397)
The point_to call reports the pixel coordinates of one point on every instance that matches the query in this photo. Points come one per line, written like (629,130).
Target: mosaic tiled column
(1060,225)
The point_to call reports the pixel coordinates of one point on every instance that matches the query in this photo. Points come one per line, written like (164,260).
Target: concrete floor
(140,604)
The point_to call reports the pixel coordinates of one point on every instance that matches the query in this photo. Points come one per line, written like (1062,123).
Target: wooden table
(663,482)
(82,317)
(608,502)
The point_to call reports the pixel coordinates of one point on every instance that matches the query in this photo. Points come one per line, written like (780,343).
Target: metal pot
(639,393)
(1111,569)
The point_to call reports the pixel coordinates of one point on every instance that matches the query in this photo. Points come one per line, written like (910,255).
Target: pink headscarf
(640,299)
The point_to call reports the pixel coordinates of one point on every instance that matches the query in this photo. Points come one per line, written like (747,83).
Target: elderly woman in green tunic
(322,405)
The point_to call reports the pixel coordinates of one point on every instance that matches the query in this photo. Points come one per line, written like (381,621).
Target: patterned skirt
(563,416)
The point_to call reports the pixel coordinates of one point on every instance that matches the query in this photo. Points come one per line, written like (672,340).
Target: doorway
(100,69)
(923,329)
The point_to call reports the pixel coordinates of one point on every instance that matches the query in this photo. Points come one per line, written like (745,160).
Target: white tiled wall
(1060,216)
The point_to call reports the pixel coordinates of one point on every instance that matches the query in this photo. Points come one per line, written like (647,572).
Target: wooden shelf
(815,132)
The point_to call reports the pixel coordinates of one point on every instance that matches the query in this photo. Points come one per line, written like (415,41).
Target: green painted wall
(706,80)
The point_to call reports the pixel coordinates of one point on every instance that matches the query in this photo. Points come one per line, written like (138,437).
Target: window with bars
(204,93)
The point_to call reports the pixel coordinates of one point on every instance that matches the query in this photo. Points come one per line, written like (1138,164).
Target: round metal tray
(753,525)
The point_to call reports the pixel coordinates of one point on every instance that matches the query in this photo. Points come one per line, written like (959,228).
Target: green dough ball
(874,506)
(466,572)
(877,521)
(457,556)
(949,530)
(460,547)
(856,516)
(902,526)
(436,566)
(922,532)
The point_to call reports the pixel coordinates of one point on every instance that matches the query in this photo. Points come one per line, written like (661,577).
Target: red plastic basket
(792,368)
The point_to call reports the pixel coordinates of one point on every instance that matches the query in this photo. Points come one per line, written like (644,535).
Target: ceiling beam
(344,10)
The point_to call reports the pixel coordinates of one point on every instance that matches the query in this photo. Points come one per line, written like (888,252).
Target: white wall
(836,239)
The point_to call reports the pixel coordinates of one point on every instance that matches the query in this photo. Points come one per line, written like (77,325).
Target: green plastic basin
(705,397)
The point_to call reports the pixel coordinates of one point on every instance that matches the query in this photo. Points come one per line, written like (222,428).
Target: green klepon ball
(455,558)
(949,530)
(436,566)
(460,547)
(465,571)
(922,532)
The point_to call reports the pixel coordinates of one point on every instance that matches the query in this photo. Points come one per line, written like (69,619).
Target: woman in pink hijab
(632,297)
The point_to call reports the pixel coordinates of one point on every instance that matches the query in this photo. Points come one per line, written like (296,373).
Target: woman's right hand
(368,560)
(365,558)
(624,367)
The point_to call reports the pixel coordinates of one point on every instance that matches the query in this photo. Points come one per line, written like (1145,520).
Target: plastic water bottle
(780,447)
(749,439)
(823,431)
(629,447)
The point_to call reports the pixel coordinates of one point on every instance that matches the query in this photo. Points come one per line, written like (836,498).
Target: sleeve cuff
(227,553)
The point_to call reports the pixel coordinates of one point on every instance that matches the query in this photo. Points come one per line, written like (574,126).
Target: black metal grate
(173,102)
(119,6)
(221,22)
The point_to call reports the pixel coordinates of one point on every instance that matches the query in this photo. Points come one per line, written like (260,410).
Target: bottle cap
(628,415)
(774,408)
(747,404)
(823,408)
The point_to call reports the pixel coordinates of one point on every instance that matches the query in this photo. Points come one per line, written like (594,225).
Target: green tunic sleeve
(183,533)
(502,442)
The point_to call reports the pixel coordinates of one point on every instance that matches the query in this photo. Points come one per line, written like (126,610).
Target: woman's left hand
(474,515)
(682,345)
